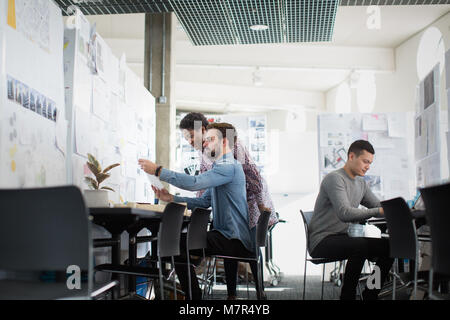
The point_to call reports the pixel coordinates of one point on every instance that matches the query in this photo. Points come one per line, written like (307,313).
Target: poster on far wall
(391,174)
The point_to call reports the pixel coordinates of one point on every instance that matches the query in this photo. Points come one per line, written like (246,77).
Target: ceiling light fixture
(259,27)
(257,79)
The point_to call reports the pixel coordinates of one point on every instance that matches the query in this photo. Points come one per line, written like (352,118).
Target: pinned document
(154,180)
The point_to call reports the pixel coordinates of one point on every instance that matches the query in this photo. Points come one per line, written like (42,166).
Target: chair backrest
(438,217)
(44,229)
(401,229)
(197,229)
(306,216)
(170,230)
(261,229)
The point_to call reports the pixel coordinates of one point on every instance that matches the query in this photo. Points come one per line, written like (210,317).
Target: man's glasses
(210,139)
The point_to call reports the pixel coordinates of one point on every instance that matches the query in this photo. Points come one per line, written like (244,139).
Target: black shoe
(370,294)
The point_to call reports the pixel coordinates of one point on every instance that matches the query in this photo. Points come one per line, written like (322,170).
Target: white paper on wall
(82,87)
(396,125)
(102,57)
(82,132)
(132,89)
(430,126)
(112,156)
(130,161)
(32,70)
(101,98)
(380,140)
(107,126)
(429,171)
(112,73)
(447,69)
(375,122)
(61,135)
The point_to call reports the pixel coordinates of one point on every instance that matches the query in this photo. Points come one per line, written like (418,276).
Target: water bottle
(355,230)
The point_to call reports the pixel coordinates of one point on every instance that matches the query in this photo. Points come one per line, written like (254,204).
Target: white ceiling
(307,67)
(398,23)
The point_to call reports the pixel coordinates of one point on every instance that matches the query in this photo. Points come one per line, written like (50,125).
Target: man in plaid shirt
(193,127)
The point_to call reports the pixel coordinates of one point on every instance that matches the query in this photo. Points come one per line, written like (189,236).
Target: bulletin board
(33,124)
(427,131)
(392,172)
(112,114)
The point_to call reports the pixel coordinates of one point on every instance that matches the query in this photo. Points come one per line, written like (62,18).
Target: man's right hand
(382,211)
(163,194)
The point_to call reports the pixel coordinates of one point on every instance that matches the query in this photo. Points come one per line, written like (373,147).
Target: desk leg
(115,260)
(132,259)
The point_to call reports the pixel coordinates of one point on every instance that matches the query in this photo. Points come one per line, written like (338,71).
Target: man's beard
(210,153)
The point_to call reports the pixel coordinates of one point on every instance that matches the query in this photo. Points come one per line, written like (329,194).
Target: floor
(291,288)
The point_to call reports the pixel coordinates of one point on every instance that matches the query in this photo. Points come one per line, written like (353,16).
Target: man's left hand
(148,166)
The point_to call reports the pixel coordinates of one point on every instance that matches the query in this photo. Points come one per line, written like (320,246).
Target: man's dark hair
(358,146)
(188,121)
(228,131)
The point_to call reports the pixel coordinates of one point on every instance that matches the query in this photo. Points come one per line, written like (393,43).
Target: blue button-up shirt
(225,193)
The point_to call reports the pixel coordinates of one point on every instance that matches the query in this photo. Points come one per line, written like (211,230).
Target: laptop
(419,204)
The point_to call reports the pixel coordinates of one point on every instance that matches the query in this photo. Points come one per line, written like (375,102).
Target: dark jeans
(355,251)
(217,245)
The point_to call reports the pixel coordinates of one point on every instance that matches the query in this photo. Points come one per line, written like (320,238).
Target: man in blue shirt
(225,194)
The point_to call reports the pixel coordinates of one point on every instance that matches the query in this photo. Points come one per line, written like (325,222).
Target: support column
(158,69)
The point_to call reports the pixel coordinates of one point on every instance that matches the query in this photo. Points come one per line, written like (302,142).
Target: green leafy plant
(100,175)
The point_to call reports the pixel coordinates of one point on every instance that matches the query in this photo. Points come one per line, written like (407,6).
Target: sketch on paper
(29,98)
(33,21)
(335,158)
(11,87)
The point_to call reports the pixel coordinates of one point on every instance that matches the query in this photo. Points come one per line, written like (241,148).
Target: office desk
(118,220)
(132,220)
(419,217)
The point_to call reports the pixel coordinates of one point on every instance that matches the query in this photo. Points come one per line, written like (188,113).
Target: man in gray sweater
(341,193)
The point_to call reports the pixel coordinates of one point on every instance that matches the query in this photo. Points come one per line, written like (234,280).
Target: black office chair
(168,246)
(255,261)
(196,238)
(403,238)
(306,216)
(45,232)
(438,217)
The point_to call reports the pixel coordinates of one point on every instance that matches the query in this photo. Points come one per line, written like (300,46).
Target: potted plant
(97,196)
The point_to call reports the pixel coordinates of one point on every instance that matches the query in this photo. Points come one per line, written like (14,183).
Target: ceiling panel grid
(227,22)
(232,22)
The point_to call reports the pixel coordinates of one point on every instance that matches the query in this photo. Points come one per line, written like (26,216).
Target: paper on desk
(155,181)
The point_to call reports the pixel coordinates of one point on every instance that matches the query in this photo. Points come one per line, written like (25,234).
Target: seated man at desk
(341,193)
(193,126)
(225,194)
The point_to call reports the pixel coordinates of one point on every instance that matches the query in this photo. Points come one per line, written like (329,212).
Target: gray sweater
(337,206)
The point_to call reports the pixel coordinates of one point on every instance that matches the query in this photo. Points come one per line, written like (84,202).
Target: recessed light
(259,27)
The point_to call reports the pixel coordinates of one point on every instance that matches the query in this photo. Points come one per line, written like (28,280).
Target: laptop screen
(419,204)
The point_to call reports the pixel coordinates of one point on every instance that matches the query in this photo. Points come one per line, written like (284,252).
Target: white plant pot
(96,198)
